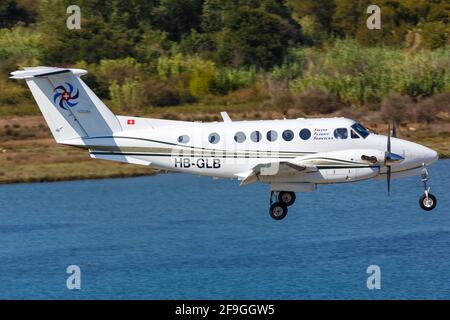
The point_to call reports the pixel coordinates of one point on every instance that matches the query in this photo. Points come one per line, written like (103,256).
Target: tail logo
(64,97)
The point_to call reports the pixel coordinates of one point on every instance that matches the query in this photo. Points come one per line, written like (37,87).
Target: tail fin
(70,108)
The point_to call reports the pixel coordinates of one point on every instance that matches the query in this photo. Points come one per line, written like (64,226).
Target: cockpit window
(359,128)
(353,134)
(341,133)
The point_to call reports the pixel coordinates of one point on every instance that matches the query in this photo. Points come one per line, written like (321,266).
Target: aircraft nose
(415,154)
(427,155)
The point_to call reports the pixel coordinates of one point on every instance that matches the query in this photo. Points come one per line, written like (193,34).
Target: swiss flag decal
(130,121)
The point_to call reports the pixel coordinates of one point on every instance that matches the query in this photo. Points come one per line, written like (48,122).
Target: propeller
(389,170)
(391,157)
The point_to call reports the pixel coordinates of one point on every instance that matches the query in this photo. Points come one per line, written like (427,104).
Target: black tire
(428,204)
(286,197)
(278,210)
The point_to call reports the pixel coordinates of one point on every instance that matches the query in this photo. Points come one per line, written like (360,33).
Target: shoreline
(99,177)
(80,178)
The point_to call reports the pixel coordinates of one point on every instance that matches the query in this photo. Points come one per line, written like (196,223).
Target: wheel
(278,210)
(429,203)
(286,197)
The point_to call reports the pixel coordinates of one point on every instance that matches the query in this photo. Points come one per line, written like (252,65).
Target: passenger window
(353,134)
(183,139)
(288,135)
(256,136)
(239,137)
(272,135)
(214,138)
(305,134)
(341,133)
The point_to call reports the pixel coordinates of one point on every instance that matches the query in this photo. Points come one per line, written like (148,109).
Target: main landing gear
(279,201)
(427,201)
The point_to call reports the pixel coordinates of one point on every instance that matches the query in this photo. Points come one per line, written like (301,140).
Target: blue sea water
(175,236)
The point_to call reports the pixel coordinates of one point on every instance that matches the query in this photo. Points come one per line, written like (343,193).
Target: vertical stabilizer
(68,105)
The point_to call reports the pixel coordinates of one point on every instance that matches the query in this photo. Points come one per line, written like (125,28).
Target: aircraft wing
(280,168)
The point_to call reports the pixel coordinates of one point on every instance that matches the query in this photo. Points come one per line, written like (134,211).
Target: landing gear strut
(278,208)
(427,201)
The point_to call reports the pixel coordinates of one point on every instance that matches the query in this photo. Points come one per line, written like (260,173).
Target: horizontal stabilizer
(36,72)
(120,158)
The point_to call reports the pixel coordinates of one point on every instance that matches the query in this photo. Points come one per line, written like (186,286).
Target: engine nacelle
(347,165)
(349,174)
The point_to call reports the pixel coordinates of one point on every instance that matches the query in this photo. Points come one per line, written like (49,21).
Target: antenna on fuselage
(225,116)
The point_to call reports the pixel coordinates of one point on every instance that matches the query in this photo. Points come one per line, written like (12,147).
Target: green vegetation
(143,54)
(190,59)
(358,75)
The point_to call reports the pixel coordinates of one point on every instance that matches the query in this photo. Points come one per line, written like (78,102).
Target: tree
(320,11)
(12,13)
(251,37)
(435,34)
(111,29)
(178,17)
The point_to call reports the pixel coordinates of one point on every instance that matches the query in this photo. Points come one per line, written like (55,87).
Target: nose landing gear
(278,208)
(427,201)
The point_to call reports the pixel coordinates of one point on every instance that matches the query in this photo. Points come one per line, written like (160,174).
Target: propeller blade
(389,179)
(394,129)
(389,156)
(387,159)
(389,139)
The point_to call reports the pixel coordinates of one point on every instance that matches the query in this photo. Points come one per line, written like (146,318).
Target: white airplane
(290,155)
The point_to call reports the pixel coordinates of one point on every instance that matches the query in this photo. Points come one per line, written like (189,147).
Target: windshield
(359,128)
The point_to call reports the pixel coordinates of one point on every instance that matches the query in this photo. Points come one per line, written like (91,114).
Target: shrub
(11,92)
(171,66)
(286,71)
(398,108)
(228,79)
(201,75)
(126,96)
(21,44)
(430,109)
(280,95)
(360,75)
(161,93)
(425,110)
(318,101)
(255,92)
(435,34)
(119,70)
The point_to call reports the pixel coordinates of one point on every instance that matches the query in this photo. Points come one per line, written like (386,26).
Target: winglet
(225,116)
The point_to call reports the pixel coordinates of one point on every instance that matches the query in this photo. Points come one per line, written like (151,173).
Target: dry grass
(435,136)
(37,160)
